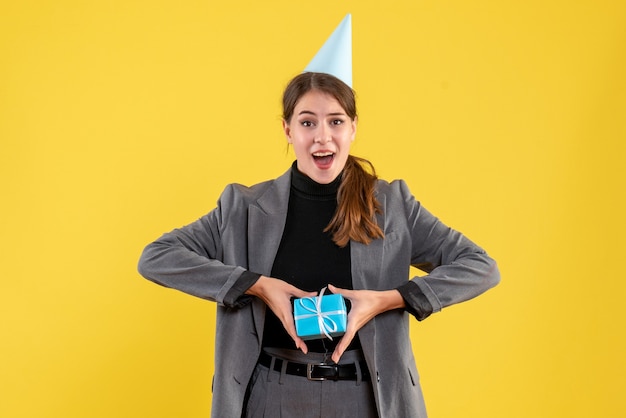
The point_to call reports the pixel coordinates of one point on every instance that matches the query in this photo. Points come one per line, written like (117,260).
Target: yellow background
(121,120)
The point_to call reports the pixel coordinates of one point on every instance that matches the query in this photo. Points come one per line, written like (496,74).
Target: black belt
(317,371)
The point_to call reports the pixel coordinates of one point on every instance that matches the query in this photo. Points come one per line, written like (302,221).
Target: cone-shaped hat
(335,56)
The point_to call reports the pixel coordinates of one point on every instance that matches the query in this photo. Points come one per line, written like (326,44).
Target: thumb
(303,294)
(338,290)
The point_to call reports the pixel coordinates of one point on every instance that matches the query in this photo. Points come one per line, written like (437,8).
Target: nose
(323,135)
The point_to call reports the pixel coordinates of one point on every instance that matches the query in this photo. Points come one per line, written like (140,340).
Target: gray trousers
(275,394)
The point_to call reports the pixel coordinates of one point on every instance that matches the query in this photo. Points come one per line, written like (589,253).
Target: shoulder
(394,188)
(239,193)
(236,194)
(396,198)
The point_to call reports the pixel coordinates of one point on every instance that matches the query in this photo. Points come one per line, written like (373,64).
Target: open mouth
(323,159)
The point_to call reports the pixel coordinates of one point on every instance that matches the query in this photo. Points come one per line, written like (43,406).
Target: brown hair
(355,217)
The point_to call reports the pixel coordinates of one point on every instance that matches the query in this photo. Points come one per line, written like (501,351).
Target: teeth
(322,154)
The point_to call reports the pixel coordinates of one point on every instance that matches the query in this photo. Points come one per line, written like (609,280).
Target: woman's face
(321,134)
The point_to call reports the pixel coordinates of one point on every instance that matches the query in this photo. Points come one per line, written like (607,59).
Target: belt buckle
(309,371)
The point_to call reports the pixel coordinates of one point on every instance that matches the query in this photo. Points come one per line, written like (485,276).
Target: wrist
(256,288)
(393,300)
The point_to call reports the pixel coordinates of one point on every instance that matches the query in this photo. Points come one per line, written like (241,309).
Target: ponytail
(355,218)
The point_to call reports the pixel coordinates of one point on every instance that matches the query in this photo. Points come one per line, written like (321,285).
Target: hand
(277,296)
(366,304)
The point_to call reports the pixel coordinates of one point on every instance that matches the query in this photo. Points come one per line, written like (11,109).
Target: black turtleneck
(307,256)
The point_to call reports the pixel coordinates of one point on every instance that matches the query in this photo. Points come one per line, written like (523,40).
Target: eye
(337,122)
(306,123)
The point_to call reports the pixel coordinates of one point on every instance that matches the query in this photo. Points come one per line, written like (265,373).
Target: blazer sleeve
(189,258)
(457,269)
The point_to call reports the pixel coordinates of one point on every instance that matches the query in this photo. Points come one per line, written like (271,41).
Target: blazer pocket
(414,376)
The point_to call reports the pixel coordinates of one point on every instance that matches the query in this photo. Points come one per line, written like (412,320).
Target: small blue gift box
(320,316)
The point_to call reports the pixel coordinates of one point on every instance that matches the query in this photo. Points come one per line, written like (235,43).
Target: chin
(326,177)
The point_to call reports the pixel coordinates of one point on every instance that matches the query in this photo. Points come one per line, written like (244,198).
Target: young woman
(327,221)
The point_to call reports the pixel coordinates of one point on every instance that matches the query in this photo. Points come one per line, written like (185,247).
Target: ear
(354,123)
(287,130)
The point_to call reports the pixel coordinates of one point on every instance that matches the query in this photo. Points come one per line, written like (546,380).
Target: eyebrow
(308,112)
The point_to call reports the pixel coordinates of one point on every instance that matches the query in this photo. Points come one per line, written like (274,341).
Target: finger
(343,292)
(290,327)
(301,345)
(342,346)
(335,289)
(299,293)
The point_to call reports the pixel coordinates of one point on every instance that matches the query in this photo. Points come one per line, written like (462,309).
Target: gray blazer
(208,257)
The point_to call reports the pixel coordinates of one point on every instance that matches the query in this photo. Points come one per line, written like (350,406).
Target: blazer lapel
(367,261)
(266,222)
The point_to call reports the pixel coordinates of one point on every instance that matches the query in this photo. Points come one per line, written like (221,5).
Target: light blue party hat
(335,56)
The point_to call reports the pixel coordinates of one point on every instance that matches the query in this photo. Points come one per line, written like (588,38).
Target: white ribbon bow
(325,322)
